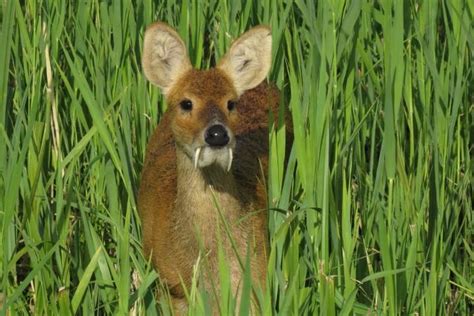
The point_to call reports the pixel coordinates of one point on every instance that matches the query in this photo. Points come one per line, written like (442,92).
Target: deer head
(204,103)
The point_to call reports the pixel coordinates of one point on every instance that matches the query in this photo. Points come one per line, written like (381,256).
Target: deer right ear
(164,56)
(249,58)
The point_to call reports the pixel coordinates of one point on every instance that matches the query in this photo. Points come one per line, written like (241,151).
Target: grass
(375,204)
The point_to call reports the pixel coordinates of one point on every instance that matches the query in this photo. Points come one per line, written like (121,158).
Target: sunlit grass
(373,213)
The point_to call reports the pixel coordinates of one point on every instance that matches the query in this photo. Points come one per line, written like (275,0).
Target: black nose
(216,136)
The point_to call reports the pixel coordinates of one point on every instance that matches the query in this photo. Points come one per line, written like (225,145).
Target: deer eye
(231,105)
(186,105)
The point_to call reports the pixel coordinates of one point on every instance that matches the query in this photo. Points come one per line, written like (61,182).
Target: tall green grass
(372,215)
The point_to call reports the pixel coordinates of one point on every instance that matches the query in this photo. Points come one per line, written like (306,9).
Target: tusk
(196,157)
(230,160)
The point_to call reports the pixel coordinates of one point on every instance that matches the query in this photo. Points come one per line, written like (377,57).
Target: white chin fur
(206,156)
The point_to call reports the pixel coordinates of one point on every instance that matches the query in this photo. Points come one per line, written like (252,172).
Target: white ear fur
(164,56)
(249,58)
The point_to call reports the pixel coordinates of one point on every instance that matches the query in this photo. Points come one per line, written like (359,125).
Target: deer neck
(203,192)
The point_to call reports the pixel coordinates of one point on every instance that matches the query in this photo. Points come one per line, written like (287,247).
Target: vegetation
(372,215)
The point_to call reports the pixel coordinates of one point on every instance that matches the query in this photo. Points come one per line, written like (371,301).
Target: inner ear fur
(165,56)
(248,60)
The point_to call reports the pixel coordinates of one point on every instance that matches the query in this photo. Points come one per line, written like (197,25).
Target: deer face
(203,102)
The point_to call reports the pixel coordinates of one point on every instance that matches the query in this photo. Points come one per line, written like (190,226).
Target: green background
(373,214)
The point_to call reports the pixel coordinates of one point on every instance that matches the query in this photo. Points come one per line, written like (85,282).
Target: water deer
(206,162)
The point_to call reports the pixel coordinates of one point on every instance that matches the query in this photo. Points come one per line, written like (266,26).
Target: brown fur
(177,202)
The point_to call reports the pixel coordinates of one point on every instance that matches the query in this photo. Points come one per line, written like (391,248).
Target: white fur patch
(206,156)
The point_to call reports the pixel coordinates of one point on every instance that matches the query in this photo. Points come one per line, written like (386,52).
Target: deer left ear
(165,57)
(248,60)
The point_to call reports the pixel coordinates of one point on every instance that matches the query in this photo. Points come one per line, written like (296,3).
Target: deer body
(205,162)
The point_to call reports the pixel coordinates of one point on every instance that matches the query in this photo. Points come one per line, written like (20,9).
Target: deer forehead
(208,86)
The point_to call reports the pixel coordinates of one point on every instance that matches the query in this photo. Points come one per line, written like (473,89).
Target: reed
(372,214)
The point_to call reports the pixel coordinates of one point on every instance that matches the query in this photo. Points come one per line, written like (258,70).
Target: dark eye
(186,105)
(231,105)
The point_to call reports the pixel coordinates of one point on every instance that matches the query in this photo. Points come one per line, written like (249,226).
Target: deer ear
(248,61)
(164,56)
